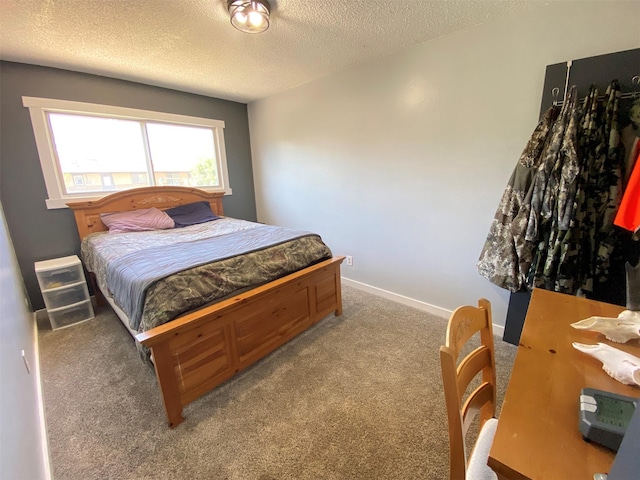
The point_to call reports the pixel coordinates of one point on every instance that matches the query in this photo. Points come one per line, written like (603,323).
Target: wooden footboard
(197,352)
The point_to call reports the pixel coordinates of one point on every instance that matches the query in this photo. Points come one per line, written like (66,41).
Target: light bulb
(249,16)
(240,17)
(255,19)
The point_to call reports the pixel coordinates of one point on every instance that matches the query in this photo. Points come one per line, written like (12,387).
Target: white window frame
(58,198)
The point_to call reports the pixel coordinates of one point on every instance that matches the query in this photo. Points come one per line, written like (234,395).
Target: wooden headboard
(88,213)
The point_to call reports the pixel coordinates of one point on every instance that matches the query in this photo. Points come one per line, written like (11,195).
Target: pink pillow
(137,220)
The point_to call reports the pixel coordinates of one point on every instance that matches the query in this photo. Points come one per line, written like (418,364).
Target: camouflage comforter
(248,260)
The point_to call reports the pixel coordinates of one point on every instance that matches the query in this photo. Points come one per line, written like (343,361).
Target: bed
(206,345)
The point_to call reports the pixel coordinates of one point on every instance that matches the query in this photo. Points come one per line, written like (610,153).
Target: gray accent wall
(39,233)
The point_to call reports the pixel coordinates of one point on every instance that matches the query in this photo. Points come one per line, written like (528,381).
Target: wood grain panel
(200,355)
(272,324)
(325,295)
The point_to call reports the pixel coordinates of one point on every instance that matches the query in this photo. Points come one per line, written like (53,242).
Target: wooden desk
(538,436)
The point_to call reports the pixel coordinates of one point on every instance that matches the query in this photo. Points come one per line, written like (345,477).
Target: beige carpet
(355,397)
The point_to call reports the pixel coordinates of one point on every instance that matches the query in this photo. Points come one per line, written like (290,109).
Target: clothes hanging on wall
(560,149)
(506,257)
(628,215)
(554,189)
(554,226)
(577,261)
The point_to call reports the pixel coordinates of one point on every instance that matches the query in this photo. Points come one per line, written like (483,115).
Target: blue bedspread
(131,275)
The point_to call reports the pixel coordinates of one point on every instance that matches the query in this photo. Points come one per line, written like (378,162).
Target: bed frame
(198,351)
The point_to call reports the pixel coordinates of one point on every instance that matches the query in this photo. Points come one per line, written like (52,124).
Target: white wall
(401,162)
(22,448)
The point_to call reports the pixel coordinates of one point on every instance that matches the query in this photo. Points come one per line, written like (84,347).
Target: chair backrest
(463,324)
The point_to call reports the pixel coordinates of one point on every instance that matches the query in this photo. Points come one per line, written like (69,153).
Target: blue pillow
(191,214)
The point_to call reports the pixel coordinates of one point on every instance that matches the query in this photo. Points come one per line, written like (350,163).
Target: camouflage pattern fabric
(195,287)
(546,183)
(554,226)
(554,189)
(506,255)
(586,249)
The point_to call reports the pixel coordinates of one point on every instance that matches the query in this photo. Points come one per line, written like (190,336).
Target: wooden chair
(463,324)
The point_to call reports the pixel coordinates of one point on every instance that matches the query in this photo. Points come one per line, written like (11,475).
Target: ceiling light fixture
(249,16)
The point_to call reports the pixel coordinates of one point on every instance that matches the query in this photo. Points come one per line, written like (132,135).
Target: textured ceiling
(190,45)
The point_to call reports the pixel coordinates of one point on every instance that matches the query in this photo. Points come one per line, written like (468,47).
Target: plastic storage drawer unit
(70,315)
(59,272)
(64,290)
(66,295)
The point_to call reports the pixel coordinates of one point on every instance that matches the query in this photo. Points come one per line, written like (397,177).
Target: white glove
(620,365)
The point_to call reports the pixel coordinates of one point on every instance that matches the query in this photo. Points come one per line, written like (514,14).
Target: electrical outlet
(349,260)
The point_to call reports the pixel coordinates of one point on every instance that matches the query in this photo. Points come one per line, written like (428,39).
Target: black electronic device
(604,416)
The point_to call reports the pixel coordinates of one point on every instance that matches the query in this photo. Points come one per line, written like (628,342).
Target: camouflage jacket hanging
(553,195)
(605,161)
(506,255)
(554,225)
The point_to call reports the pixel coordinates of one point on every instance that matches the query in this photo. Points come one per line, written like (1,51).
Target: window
(139,178)
(168,178)
(78,180)
(88,151)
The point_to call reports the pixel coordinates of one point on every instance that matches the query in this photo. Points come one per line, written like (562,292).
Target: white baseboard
(411,302)
(43,423)
(498,330)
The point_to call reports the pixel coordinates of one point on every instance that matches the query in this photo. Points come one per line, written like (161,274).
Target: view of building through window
(100,154)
